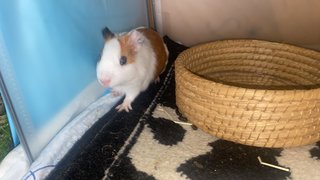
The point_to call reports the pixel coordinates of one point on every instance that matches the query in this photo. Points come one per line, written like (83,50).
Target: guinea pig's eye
(123,60)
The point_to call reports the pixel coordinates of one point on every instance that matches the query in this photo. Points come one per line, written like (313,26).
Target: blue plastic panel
(48,55)
(14,135)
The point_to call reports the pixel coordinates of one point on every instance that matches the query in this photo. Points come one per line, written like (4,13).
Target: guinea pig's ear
(107,34)
(137,39)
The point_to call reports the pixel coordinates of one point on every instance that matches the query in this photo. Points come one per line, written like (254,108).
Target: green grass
(5,137)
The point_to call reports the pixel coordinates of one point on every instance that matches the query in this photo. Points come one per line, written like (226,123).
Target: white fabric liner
(16,165)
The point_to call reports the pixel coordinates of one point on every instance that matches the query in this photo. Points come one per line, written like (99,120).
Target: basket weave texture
(251,92)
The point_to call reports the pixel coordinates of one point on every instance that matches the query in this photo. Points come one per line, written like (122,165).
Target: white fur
(129,79)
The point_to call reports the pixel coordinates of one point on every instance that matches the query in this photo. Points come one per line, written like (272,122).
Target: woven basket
(251,92)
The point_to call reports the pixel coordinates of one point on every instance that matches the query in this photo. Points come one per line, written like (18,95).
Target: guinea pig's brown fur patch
(127,48)
(158,47)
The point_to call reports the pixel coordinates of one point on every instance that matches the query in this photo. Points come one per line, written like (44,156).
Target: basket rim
(240,40)
(180,64)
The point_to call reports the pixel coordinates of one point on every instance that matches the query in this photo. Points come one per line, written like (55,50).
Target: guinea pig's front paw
(124,106)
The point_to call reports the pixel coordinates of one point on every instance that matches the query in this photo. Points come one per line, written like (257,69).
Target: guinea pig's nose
(105,81)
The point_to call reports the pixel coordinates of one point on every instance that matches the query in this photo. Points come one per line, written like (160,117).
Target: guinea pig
(130,62)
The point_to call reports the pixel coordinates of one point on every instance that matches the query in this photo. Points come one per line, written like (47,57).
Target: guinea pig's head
(117,64)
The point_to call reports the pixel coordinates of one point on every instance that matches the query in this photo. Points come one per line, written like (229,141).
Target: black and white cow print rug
(155,142)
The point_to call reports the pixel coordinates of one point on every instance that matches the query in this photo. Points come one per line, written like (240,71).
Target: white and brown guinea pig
(130,62)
